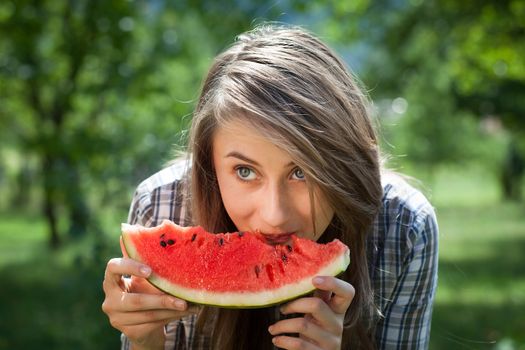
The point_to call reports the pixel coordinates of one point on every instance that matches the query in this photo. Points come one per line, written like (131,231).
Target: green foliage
(455,64)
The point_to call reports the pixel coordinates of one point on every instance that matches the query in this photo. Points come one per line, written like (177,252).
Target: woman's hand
(135,307)
(322,325)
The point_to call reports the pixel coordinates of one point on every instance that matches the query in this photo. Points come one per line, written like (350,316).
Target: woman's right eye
(245,173)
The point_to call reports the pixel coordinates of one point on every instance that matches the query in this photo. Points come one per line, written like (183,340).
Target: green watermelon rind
(251,300)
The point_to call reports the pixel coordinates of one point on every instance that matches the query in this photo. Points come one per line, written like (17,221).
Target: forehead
(241,136)
(239,133)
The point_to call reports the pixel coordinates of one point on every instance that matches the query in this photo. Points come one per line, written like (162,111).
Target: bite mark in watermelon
(237,270)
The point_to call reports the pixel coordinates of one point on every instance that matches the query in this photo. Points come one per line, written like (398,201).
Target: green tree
(66,69)
(48,52)
(452,61)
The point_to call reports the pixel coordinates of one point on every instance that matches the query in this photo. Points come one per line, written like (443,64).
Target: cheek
(236,205)
(302,212)
(236,202)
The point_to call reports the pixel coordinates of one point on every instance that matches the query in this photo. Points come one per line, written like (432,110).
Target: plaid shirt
(403,258)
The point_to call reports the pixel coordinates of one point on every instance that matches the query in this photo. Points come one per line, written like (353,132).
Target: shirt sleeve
(405,323)
(140,211)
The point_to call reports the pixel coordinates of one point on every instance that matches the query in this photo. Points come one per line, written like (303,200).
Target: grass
(53,298)
(21,238)
(481,292)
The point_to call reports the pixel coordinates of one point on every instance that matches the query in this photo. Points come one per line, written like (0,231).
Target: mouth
(277,238)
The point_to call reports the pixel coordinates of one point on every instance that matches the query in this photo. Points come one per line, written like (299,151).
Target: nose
(275,208)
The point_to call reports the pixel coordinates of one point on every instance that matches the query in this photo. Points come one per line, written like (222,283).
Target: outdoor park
(97,95)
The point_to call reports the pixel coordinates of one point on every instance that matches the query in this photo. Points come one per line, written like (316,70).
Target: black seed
(171,241)
(193,237)
(241,234)
(257,270)
(163,244)
(284,257)
(289,247)
(221,241)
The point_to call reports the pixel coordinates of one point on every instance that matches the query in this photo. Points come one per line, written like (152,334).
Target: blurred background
(96,95)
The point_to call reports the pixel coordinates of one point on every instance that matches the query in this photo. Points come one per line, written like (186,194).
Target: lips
(277,238)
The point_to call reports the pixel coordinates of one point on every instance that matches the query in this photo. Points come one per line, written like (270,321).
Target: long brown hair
(302,97)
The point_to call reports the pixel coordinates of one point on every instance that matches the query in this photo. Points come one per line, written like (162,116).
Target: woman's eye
(298,174)
(245,173)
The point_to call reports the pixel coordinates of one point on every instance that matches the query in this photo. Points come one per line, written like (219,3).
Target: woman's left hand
(322,325)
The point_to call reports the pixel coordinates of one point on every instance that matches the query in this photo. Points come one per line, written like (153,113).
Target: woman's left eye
(298,174)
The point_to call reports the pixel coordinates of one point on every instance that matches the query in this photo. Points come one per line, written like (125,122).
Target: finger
(343,292)
(137,333)
(141,302)
(148,317)
(292,343)
(308,330)
(317,308)
(117,267)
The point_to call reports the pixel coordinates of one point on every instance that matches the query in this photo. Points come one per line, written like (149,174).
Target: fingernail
(145,270)
(270,329)
(318,280)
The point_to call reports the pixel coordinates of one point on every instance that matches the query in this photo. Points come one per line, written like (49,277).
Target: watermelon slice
(235,270)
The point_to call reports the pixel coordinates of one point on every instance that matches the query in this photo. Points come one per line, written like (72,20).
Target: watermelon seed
(289,247)
(171,241)
(163,244)
(221,241)
(284,258)
(162,235)
(193,237)
(257,270)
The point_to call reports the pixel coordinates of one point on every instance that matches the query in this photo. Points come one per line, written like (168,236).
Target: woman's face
(262,189)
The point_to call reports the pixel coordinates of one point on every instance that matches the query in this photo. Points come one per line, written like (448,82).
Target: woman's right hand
(135,307)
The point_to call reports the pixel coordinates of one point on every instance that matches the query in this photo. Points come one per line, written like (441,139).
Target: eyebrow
(238,155)
(235,154)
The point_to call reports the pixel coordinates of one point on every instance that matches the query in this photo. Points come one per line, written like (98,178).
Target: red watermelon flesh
(231,269)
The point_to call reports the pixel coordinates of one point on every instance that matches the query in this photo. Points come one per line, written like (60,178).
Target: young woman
(281,142)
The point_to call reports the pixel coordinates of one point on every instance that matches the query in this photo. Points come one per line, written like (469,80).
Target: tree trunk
(79,213)
(512,174)
(24,182)
(49,205)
